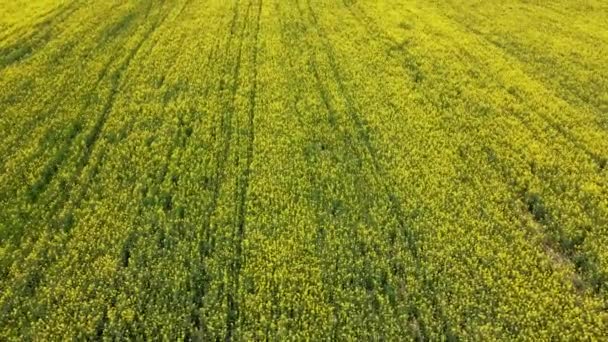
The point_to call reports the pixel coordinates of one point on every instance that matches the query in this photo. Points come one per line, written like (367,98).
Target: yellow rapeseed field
(343,170)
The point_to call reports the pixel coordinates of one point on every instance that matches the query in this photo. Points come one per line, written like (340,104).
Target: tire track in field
(353,112)
(117,81)
(510,48)
(223,138)
(227,127)
(222,153)
(600,160)
(179,140)
(533,202)
(63,151)
(67,195)
(351,150)
(42,115)
(66,140)
(411,64)
(73,194)
(54,165)
(374,31)
(29,282)
(166,201)
(288,38)
(382,177)
(38,30)
(289,35)
(16,233)
(12,31)
(40,33)
(38,279)
(198,277)
(42,20)
(26,47)
(225,122)
(533,207)
(37,20)
(56,55)
(243,188)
